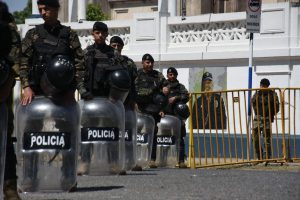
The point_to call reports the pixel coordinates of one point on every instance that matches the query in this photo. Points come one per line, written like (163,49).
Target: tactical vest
(100,64)
(147,83)
(174,91)
(44,48)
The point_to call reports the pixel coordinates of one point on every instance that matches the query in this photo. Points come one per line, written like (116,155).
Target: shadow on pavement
(94,189)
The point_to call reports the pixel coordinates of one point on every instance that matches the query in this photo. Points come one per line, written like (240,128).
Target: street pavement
(181,184)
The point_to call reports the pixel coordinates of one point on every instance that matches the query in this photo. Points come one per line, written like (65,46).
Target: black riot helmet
(181,110)
(120,82)
(158,102)
(59,74)
(160,99)
(4,71)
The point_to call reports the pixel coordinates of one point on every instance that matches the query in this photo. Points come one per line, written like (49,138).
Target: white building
(217,43)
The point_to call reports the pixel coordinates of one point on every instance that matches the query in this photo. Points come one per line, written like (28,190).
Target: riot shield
(130,139)
(168,141)
(102,148)
(144,138)
(3,135)
(47,145)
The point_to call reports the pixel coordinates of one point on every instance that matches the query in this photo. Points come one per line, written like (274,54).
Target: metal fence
(224,130)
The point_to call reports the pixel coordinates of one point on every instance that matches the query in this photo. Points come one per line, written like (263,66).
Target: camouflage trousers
(261,137)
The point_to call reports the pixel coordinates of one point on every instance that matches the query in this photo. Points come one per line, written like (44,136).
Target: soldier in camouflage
(177,94)
(151,86)
(117,43)
(265,105)
(12,56)
(41,44)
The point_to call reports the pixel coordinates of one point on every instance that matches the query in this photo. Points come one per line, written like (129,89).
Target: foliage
(95,13)
(20,16)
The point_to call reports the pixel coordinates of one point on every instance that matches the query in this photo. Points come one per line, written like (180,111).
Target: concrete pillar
(172,7)
(193,7)
(34,10)
(81,10)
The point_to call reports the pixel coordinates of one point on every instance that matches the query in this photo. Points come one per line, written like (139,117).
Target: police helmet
(181,110)
(160,99)
(60,72)
(4,71)
(120,83)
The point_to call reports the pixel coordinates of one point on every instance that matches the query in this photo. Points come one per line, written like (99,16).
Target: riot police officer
(265,105)
(117,43)
(103,63)
(151,88)
(52,66)
(177,98)
(44,42)
(10,57)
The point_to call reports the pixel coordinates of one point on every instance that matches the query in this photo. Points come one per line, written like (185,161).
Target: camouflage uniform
(147,85)
(99,60)
(132,70)
(181,95)
(265,105)
(28,53)
(14,59)
(38,48)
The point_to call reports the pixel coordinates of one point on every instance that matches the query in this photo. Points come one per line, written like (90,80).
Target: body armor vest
(147,84)
(45,48)
(100,63)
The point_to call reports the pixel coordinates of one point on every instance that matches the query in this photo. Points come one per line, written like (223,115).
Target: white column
(35,10)
(172,7)
(81,9)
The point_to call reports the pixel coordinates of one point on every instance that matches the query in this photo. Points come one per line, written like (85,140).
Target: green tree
(20,16)
(94,13)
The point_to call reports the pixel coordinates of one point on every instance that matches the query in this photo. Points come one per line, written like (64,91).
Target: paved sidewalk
(171,184)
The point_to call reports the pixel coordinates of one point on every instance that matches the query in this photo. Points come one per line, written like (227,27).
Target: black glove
(86,95)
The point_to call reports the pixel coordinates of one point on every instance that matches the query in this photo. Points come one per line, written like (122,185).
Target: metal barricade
(291,119)
(223,132)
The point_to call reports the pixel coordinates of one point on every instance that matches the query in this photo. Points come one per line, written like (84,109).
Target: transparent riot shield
(3,135)
(168,141)
(130,139)
(144,138)
(102,146)
(47,145)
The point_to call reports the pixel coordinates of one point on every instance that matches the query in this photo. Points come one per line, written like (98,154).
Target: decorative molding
(87,39)
(208,32)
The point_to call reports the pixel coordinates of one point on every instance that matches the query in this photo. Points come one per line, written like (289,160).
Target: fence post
(283,123)
(191,160)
